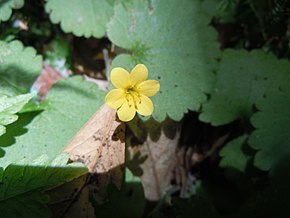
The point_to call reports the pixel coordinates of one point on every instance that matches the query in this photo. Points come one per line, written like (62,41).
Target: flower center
(130,90)
(132,96)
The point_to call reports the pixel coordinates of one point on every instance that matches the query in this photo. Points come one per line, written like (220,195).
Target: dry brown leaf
(157,169)
(100,143)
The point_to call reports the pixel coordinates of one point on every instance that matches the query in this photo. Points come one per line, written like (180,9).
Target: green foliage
(242,79)
(9,106)
(272,123)
(19,67)
(82,18)
(244,92)
(176,50)
(6,7)
(68,106)
(29,175)
(233,155)
(20,182)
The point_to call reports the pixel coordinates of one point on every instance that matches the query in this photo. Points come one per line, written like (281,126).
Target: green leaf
(20,182)
(28,175)
(19,67)
(176,44)
(243,78)
(6,7)
(82,18)
(30,204)
(70,103)
(233,156)
(9,106)
(272,122)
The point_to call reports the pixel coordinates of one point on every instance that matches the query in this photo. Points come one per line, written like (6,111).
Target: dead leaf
(100,144)
(157,169)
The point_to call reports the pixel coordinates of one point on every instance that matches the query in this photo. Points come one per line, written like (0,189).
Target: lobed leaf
(242,79)
(7,6)
(177,45)
(272,122)
(82,18)
(19,67)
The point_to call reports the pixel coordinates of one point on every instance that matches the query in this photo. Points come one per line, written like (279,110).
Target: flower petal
(115,98)
(149,87)
(120,77)
(144,105)
(138,74)
(127,112)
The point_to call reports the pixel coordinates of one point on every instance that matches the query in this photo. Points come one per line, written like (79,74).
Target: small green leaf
(9,106)
(233,156)
(70,103)
(7,6)
(272,122)
(82,18)
(242,79)
(175,42)
(19,67)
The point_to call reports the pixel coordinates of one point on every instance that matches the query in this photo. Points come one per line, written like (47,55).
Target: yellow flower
(132,92)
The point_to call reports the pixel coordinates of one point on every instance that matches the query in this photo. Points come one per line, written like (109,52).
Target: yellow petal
(138,74)
(127,112)
(120,77)
(115,98)
(144,105)
(149,87)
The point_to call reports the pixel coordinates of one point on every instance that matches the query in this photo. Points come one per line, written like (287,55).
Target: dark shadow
(16,129)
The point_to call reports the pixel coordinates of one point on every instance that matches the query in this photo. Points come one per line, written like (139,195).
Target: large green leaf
(29,175)
(20,181)
(9,107)
(6,7)
(19,67)
(69,105)
(82,18)
(242,79)
(174,41)
(272,122)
